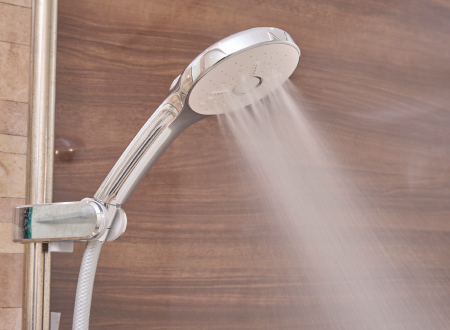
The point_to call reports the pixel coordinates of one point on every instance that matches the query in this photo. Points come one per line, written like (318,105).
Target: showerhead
(260,58)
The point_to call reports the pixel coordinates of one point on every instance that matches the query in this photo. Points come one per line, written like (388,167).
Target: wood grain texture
(200,252)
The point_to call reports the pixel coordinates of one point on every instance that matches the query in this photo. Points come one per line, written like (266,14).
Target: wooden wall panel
(199,252)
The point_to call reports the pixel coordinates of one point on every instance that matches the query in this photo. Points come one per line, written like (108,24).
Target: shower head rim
(185,83)
(228,57)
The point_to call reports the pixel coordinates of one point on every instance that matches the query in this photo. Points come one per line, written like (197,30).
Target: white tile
(22,3)
(14,72)
(6,243)
(6,207)
(12,175)
(13,144)
(15,24)
(14,118)
(10,318)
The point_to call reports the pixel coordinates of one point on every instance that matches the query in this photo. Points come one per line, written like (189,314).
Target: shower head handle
(160,130)
(193,96)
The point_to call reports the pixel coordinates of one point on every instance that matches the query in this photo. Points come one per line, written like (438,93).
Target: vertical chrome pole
(36,302)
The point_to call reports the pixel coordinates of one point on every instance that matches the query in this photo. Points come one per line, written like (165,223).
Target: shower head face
(250,74)
(257,59)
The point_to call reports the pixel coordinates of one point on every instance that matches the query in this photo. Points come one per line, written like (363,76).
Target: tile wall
(15,30)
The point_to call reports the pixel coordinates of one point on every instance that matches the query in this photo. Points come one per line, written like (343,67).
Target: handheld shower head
(261,58)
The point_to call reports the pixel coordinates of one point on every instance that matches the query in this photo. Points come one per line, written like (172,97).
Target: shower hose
(86,285)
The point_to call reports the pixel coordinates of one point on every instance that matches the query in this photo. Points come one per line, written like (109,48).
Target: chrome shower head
(261,58)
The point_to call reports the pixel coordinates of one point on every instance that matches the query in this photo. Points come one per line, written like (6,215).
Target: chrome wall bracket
(71,221)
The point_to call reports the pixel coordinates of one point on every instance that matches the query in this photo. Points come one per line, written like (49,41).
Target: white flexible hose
(85,285)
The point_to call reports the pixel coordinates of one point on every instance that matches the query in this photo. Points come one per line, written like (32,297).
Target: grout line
(12,153)
(11,307)
(14,43)
(13,101)
(11,197)
(13,4)
(12,134)
(27,102)
(15,198)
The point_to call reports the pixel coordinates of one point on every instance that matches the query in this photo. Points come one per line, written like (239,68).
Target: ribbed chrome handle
(166,123)
(138,157)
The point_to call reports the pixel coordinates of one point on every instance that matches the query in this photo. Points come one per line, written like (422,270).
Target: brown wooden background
(376,75)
